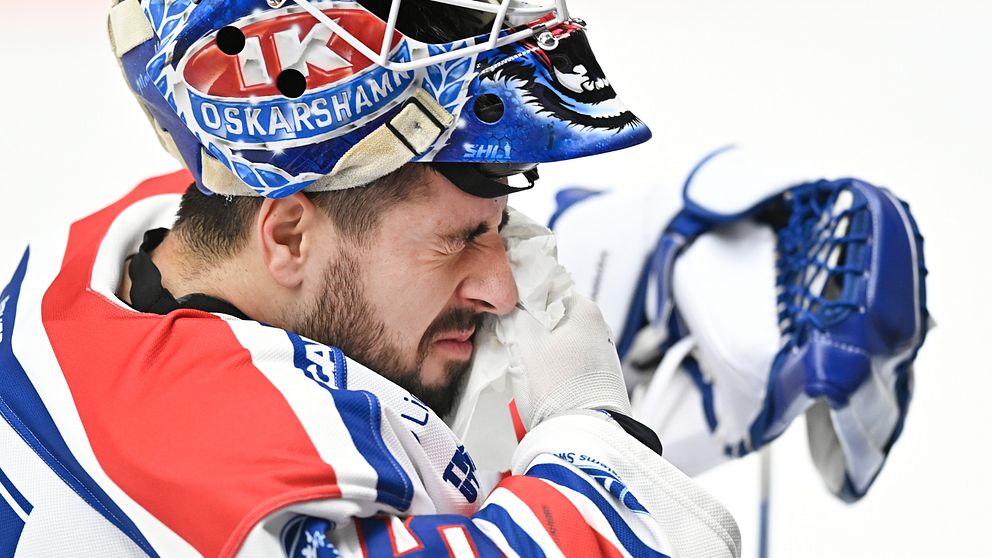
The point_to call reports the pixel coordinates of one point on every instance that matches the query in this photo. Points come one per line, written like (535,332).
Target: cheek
(408,297)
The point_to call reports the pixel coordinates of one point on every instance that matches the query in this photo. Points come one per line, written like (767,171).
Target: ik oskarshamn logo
(235,97)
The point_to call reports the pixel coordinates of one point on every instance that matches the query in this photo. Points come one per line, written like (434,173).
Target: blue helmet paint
(521,102)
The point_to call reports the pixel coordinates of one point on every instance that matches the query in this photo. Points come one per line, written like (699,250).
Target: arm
(573,504)
(579,483)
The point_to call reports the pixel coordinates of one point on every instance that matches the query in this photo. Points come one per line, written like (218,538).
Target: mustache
(455,320)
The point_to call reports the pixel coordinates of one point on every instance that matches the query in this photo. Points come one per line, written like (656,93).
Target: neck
(185,272)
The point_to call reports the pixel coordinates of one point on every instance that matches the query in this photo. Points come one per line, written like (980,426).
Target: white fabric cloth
(542,285)
(573,366)
(543,288)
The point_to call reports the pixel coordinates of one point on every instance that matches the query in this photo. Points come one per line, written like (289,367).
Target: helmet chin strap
(478,179)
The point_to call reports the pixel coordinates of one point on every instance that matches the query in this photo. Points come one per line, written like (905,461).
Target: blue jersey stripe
(23,409)
(563,476)
(519,540)
(11,526)
(375,536)
(320,362)
(19,498)
(362,415)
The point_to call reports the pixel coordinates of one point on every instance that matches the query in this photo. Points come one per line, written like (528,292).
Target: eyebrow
(469,234)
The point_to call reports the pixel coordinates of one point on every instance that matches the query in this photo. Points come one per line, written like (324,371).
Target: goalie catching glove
(766,297)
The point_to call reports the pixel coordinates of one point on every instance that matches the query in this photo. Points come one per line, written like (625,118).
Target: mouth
(458,343)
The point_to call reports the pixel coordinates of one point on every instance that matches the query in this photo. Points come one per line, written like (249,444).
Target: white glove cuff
(592,390)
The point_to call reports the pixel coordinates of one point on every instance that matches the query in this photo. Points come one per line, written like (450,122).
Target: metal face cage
(512,21)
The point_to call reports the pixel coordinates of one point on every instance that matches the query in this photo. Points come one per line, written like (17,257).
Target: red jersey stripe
(560,518)
(176,413)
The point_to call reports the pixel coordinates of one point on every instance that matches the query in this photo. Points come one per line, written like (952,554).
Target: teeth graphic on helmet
(269,99)
(579,80)
(567,84)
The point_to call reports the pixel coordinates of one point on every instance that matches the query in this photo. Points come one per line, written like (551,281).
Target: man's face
(408,303)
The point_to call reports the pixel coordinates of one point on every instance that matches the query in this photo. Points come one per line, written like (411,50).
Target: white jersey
(200,434)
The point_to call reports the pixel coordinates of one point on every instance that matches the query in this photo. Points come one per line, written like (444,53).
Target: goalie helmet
(269,97)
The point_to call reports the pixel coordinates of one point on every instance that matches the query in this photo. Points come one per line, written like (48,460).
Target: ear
(288,228)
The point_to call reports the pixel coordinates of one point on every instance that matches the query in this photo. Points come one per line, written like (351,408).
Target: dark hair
(215,227)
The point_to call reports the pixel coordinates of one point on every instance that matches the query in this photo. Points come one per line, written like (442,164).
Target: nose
(489,285)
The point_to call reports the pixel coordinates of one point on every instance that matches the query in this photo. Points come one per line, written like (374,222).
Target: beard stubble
(343,317)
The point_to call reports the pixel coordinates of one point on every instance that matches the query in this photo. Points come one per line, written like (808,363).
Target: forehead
(442,206)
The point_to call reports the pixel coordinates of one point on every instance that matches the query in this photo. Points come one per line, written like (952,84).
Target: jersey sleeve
(197,434)
(571,495)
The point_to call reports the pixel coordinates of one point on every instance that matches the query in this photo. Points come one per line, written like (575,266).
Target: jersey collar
(148,294)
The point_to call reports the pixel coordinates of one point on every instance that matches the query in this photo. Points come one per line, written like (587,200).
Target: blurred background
(896,92)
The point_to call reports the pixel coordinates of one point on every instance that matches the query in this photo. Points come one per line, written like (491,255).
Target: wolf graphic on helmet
(564,81)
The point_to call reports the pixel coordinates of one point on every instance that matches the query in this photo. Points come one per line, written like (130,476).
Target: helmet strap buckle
(403,137)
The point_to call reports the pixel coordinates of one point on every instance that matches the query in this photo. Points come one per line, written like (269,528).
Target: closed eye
(467,236)
(482,229)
